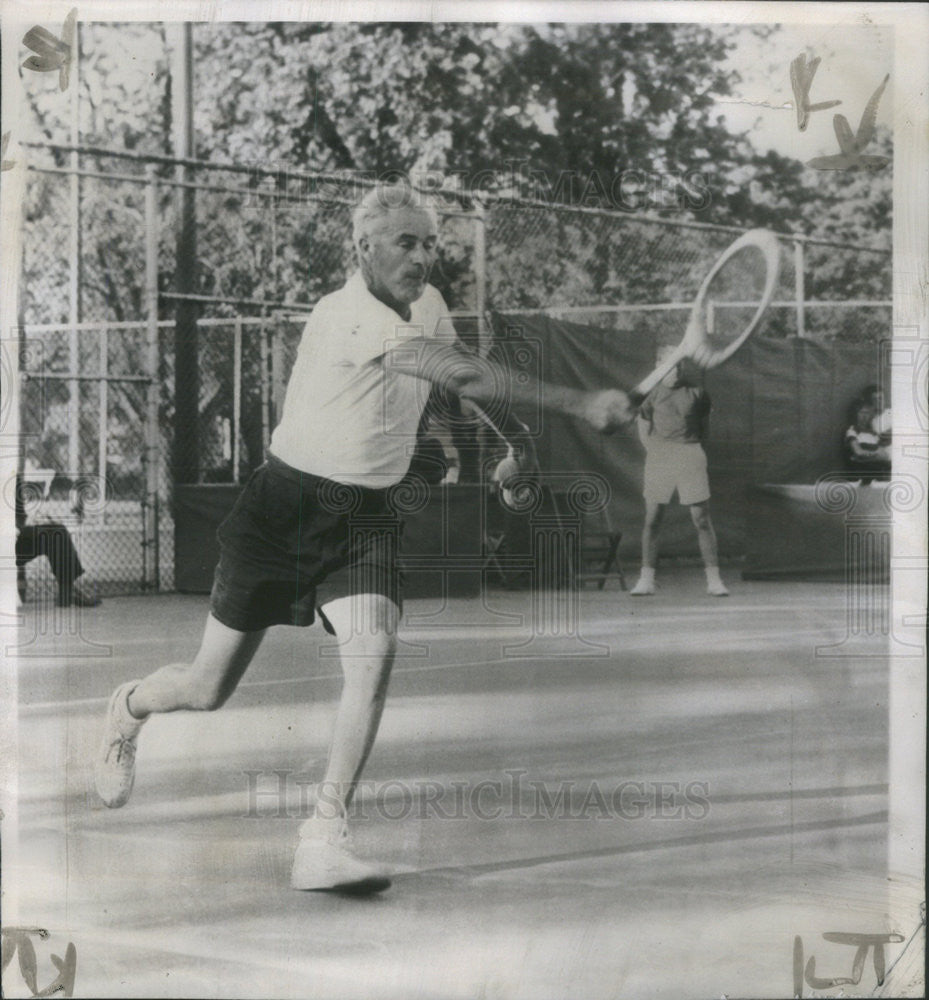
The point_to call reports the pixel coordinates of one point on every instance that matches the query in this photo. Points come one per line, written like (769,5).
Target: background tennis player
(673,423)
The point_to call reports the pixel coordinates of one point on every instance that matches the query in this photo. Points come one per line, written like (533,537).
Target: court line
(684,643)
(48,706)
(693,840)
(230,804)
(634,631)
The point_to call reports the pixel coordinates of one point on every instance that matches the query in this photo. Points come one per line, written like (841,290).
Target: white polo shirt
(348,416)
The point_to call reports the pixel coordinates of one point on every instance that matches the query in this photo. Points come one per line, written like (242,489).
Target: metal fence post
(74,277)
(186,451)
(103,408)
(278,385)
(236,395)
(800,287)
(152,357)
(265,385)
(480,294)
(480,277)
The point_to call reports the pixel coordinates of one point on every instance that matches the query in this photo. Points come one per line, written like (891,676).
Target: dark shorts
(293,542)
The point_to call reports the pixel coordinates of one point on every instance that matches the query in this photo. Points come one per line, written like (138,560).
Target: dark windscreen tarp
(780,410)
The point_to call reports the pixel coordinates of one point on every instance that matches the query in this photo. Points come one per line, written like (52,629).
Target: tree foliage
(619,116)
(625,117)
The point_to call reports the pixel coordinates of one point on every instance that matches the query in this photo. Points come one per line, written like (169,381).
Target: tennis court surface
(662,815)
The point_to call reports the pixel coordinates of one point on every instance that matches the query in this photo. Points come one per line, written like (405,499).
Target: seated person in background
(881,423)
(873,396)
(53,541)
(867,458)
(672,425)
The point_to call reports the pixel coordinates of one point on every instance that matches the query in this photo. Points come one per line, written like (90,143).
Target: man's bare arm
(453,369)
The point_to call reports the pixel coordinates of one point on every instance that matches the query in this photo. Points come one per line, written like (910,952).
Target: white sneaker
(717,589)
(642,589)
(321,863)
(114,768)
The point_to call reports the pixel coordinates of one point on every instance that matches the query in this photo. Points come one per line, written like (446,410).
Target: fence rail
(109,299)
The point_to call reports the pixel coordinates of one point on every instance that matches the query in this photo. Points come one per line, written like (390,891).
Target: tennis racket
(728,308)
(510,467)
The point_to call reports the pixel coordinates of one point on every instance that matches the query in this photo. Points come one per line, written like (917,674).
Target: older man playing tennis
(287,549)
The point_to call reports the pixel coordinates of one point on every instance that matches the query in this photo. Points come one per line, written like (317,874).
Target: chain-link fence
(630,272)
(162,304)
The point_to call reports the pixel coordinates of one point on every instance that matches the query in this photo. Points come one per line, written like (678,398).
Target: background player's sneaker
(714,582)
(114,768)
(323,861)
(643,588)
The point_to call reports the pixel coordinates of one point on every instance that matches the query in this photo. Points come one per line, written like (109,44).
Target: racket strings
(733,297)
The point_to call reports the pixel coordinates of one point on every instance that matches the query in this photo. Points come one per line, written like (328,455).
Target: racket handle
(482,416)
(650,381)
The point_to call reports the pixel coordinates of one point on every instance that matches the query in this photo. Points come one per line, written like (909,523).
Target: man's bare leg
(706,538)
(203,685)
(366,627)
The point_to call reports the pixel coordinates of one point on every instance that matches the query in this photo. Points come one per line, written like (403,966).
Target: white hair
(383,199)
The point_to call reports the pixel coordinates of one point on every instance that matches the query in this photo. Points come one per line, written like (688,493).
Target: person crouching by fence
(52,540)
